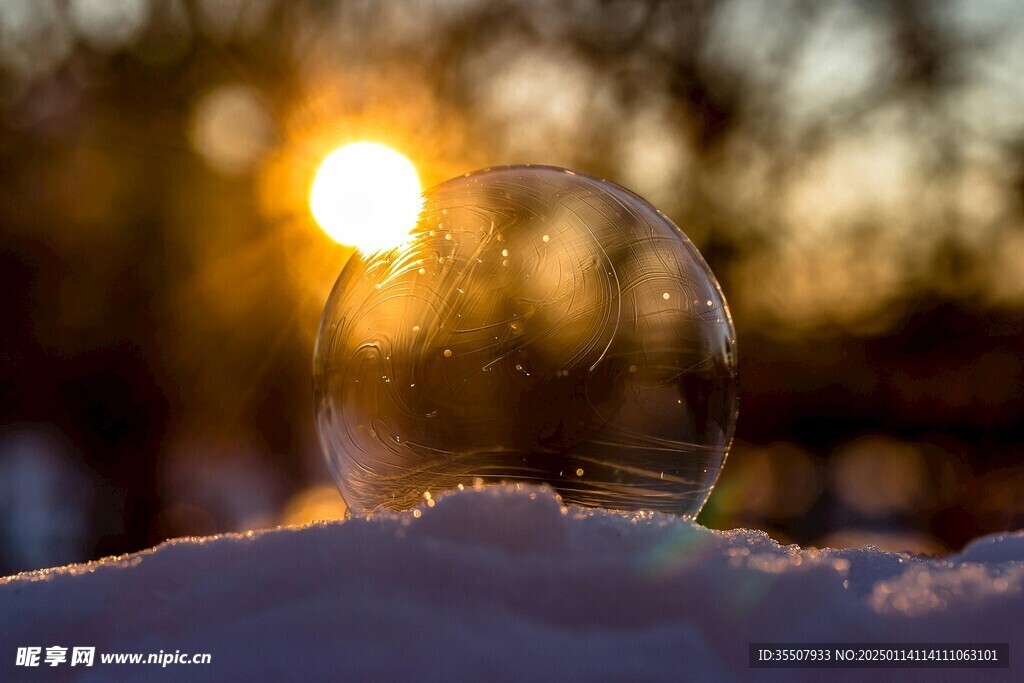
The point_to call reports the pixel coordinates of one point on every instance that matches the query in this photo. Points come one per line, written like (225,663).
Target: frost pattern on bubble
(539,326)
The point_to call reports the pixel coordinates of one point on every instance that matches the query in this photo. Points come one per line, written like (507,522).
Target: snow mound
(506,584)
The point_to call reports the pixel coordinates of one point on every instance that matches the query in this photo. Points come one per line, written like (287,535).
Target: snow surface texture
(505,584)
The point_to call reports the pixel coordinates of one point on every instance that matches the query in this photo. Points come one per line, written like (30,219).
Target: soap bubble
(540,326)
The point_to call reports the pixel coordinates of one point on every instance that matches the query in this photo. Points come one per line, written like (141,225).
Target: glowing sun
(367,196)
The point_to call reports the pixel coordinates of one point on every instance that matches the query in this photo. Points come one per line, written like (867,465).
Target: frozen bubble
(560,362)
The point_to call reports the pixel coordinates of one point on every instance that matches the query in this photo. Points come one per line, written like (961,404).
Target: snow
(506,584)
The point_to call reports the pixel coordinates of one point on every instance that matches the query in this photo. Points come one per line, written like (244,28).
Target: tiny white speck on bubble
(461,487)
(444,211)
(518,366)
(666,296)
(447,353)
(423,271)
(416,514)
(546,238)
(504,252)
(709,303)
(426,495)
(447,235)
(632,368)
(505,262)
(378,285)
(430,503)
(415,328)
(579,472)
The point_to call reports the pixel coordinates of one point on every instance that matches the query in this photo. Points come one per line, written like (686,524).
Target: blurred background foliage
(852,171)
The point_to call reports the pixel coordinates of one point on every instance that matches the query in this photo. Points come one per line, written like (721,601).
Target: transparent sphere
(540,326)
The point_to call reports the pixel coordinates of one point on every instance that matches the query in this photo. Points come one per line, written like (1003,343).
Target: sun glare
(367,196)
